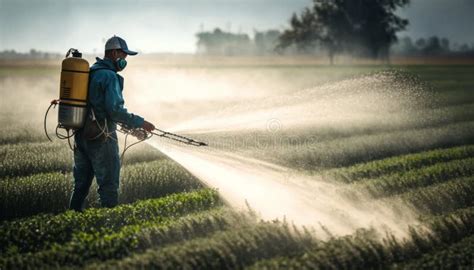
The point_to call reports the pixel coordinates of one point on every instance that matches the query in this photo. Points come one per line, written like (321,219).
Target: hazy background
(170,26)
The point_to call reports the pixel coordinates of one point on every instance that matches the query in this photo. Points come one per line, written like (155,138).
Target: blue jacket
(105,96)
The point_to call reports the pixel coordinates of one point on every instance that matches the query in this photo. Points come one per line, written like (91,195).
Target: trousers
(99,158)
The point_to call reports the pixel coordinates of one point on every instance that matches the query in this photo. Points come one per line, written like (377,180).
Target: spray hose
(60,136)
(139,133)
(53,104)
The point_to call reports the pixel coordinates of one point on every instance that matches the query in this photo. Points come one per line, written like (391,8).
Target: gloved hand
(149,127)
(139,134)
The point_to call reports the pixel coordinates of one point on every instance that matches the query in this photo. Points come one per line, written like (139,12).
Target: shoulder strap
(90,112)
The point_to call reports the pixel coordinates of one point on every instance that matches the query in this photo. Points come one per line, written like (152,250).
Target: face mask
(120,64)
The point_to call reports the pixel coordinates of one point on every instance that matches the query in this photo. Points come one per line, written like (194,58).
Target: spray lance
(143,135)
(73,110)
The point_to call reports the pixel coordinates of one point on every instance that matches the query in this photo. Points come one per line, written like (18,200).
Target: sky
(171,25)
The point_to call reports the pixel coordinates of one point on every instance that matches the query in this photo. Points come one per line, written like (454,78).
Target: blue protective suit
(100,158)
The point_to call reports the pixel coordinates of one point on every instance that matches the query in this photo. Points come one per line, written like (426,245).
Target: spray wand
(143,135)
(176,137)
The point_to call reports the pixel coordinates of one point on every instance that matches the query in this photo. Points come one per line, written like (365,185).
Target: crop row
(85,248)
(442,198)
(231,249)
(42,231)
(344,152)
(20,133)
(31,158)
(50,192)
(437,199)
(364,250)
(457,256)
(328,131)
(402,182)
(403,163)
(245,246)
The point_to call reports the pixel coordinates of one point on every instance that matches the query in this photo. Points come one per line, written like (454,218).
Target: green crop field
(167,219)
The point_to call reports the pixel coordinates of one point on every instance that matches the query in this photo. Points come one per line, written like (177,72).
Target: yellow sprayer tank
(73,91)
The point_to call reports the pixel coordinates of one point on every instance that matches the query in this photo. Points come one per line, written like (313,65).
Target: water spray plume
(276,192)
(372,98)
(280,192)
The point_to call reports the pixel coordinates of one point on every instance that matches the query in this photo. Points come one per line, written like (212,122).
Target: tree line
(432,46)
(218,42)
(32,54)
(359,28)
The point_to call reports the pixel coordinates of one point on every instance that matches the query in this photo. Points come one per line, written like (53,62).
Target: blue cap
(118,43)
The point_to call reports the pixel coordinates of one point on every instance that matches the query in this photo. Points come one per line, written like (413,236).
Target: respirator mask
(120,64)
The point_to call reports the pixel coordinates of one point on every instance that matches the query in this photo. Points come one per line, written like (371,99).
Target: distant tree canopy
(32,54)
(265,42)
(431,46)
(219,42)
(222,43)
(357,27)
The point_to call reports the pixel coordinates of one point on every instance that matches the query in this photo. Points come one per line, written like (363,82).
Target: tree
(378,24)
(420,43)
(266,41)
(433,46)
(405,46)
(304,32)
(359,27)
(219,42)
(445,45)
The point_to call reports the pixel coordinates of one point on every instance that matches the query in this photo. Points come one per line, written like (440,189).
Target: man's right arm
(114,104)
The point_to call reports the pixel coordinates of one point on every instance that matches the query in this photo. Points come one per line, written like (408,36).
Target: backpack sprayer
(73,109)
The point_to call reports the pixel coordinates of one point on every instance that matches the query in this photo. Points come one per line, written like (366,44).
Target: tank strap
(91,71)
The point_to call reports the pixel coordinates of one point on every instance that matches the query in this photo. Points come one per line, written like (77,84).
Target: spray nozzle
(74,52)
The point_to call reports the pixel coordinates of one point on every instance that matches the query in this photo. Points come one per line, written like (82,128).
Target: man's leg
(83,175)
(106,165)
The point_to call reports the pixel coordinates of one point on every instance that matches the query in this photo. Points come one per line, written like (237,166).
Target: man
(98,154)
